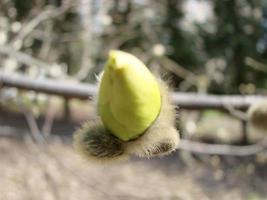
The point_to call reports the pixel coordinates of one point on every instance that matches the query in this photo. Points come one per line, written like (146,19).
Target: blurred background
(200,46)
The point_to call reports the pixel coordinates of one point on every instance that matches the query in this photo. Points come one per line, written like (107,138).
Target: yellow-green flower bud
(129,98)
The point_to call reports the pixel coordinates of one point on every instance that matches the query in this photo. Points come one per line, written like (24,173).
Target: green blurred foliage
(215,50)
(237,31)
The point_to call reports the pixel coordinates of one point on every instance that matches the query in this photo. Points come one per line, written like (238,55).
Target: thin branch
(84,91)
(222,149)
(256,64)
(29,27)
(62,88)
(34,130)
(23,57)
(189,77)
(237,113)
(46,45)
(207,101)
(32,123)
(195,147)
(32,24)
(49,119)
(86,38)
(177,69)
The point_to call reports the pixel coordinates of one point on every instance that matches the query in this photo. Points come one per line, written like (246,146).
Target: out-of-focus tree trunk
(85,11)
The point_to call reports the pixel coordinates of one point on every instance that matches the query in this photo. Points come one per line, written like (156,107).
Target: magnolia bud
(129,96)
(136,116)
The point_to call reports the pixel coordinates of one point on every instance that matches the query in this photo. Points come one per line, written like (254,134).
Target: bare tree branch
(185,144)
(206,101)
(62,88)
(222,149)
(34,129)
(256,64)
(29,27)
(48,120)
(50,13)
(190,146)
(23,57)
(84,91)
(86,37)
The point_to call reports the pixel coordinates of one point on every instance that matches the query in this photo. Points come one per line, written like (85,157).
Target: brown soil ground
(56,172)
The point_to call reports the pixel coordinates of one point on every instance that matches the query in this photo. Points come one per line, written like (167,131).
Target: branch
(62,88)
(84,91)
(30,26)
(256,64)
(177,69)
(221,102)
(34,129)
(186,145)
(23,57)
(86,38)
(222,149)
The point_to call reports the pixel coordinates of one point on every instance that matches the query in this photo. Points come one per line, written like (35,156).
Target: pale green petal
(129,97)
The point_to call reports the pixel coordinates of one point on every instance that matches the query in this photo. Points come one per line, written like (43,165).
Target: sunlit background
(199,46)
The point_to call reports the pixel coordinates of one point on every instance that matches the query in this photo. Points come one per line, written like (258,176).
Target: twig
(207,101)
(187,145)
(29,27)
(32,24)
(166,62)
(32,123)
(23,57)
(222,149)
(49,119)
(46,45)
(62,88)
(86,37)
(177,69)
(34,130)
(237,113)
(188,76)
